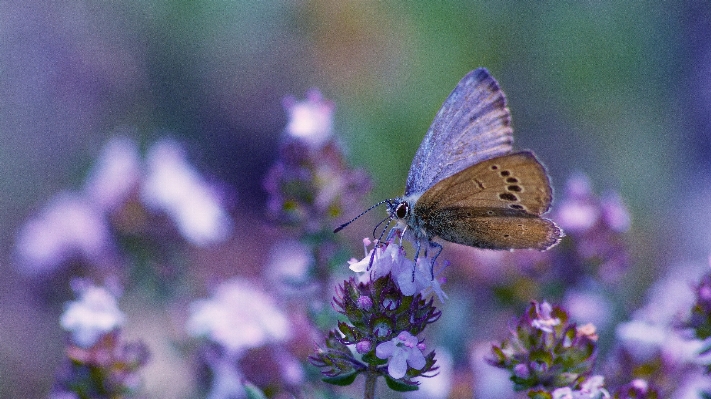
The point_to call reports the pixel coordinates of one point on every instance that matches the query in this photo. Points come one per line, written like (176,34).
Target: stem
(371,377)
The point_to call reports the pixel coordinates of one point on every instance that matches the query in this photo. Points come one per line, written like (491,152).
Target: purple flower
(68,226)
(391,258)
(403,351)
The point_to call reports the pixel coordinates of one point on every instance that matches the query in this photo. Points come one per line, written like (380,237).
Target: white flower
(238,317)
(68,226)
(116,173)
(310,120)
(391,258)
(387,256)
(94,314)
(545,321)
(592,388)
(173,186)
(563,393)
(403,351)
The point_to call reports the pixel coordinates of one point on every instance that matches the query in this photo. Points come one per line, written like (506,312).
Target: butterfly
(466,185)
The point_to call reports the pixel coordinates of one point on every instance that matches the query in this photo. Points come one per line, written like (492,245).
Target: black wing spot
(512,180)
(507,235)
(514,188)
(490,213)
(505,173)
(508,197)
(494,167)
(515,206)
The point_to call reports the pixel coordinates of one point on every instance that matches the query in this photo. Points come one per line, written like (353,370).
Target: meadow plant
(318,319)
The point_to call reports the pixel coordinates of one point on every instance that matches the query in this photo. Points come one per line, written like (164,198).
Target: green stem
(371,377)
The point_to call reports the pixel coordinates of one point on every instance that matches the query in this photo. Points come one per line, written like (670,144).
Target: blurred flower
(636,389)
(91,316)
(98,364)
(173,186)
(310,120)
(115,175)
(545,351)
(439,385)
(311,186)
(589,306)
(238,317)
(68,226)
(227,382)
(290,266)
(594,227)
(490,382)
(578,211)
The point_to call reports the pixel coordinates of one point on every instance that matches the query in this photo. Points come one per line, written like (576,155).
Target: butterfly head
(402,211)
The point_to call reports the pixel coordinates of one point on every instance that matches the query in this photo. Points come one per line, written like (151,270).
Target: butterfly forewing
(472,125)
(495,204)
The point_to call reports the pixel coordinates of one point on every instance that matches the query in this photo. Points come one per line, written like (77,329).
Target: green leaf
(539,394)
(370,358)
(400,386)
(341,380)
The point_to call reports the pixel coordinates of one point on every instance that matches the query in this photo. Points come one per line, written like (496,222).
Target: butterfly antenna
(339,228)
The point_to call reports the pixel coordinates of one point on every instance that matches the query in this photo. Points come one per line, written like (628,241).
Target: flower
(115,175)
(403,351)
(68,226)
(238,317)
(388,257)
(93,315)
(173,186)
(310,120)
(544,321)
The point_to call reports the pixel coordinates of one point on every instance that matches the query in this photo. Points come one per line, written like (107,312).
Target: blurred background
(620,91)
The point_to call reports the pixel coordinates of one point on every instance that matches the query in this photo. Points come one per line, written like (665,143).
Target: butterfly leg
(418,246)
(434,258)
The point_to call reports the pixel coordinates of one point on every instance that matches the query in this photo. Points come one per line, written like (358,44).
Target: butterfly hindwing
(495,204)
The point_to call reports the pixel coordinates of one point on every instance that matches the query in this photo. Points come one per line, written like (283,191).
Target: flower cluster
(595,228)
(383,325)
(122,194)
(98,363)
(652,348)
(237,319)
(700,318)
(311,185)
(546,353)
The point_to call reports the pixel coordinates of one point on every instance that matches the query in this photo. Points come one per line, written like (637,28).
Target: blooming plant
(270,333)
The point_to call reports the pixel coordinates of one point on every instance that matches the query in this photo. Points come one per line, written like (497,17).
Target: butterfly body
(466,185)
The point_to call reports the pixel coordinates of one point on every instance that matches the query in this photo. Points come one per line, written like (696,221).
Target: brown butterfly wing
(494,204)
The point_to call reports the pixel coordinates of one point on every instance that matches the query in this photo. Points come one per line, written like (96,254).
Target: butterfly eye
(402,210)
